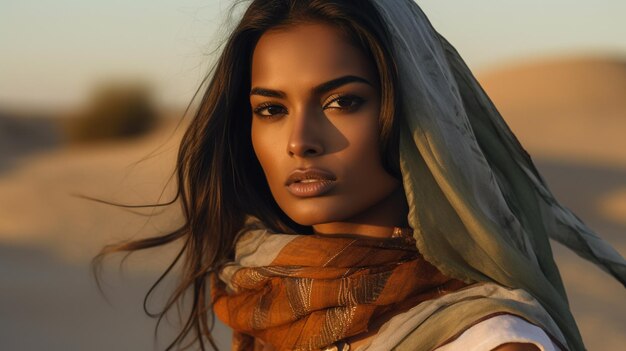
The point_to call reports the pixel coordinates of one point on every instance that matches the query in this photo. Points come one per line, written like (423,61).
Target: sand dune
(570,108)
(613,205)
(38,205)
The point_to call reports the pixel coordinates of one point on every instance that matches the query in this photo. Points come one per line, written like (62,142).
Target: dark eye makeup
(345,103)
(270,107)
(352,100)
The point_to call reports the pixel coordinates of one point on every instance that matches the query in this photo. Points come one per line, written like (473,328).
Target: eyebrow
(320,89)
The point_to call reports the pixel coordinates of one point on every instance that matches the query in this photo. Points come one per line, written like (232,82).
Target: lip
(310,182)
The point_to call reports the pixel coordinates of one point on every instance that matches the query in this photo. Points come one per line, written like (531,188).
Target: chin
(316,212)
(308,220)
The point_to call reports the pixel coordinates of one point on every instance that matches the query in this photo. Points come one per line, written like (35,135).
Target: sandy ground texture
(48,300)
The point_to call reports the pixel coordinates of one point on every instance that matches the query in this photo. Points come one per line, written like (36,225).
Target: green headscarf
(480,209)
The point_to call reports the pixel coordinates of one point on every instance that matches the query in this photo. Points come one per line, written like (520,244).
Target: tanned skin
(309,128)
(295,125)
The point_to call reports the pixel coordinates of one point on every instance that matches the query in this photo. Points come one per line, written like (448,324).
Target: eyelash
(358,101)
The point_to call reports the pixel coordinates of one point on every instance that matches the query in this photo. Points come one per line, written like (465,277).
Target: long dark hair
(219,179)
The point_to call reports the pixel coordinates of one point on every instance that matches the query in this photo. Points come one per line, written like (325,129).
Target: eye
(344,102)
(269,110)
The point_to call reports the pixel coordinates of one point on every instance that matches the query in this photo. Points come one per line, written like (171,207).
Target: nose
(305,139)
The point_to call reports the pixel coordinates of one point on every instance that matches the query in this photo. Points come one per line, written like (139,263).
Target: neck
(377,221)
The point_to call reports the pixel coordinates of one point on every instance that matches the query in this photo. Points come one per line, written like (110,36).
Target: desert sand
(570,114)
(565,108)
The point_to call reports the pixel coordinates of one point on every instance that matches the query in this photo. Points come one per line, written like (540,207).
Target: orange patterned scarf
(305,292)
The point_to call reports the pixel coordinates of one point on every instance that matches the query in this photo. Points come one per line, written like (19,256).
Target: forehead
(305,55)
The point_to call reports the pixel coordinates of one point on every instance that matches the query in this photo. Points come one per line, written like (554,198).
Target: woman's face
(315,100)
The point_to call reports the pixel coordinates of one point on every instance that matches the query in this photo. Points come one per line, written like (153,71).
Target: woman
(347,184)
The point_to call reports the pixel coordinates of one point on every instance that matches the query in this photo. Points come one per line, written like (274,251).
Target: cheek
(267,151)
(261,148)
(367,180)
(362,153)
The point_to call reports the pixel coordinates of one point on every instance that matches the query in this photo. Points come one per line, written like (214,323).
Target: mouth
(310,182)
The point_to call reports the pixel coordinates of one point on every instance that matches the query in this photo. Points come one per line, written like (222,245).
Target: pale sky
(53,52)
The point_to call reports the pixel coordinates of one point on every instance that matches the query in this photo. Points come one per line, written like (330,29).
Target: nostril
(310,152)
(305,150)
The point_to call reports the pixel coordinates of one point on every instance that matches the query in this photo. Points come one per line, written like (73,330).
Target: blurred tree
(116,111)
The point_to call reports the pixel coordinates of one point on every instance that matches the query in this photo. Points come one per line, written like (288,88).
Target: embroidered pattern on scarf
(305,292)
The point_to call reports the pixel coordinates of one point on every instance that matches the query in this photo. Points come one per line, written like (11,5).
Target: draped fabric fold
(480,209)
(305,292)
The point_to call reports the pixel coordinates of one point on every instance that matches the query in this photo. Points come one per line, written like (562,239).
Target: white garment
(498,330)
(392,332)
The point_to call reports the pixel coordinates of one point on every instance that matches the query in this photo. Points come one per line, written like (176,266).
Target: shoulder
(504,332)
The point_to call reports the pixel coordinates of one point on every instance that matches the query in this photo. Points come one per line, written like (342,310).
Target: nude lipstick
(310,182)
